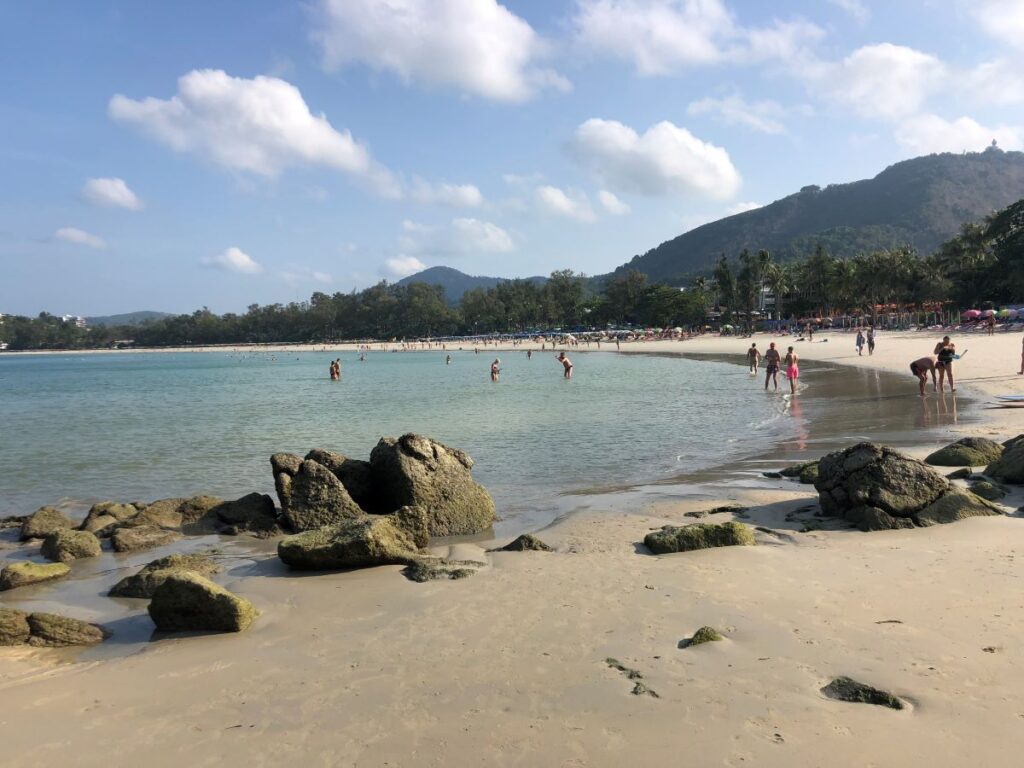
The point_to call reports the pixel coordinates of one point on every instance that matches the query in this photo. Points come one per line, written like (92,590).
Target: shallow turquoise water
(147,426)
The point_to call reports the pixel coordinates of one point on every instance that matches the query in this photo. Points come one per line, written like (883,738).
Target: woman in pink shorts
(792,369)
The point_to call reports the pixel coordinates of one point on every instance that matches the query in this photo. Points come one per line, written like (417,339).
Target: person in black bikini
(771,366)
(946,352)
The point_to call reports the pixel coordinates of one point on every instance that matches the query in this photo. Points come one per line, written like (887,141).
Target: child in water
(566,364)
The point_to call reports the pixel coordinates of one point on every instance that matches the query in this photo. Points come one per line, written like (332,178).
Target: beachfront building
(77,320)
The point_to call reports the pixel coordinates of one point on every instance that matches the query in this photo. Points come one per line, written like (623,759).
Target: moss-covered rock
(701,636)
(987,490)
(360,543)
(968,452)
(104,517)
(1010,466)
(316,498)
(66,545)
(525,543)
(43,522)
(436,569)
(14,629)
(145,582)
(413,470)
(796,469)
(141,537)
(163,513)
(959,474)
(809,473)
(847,689)
(186,601)
(877,488)
(52,631)
(674,538)
(25,573)
(253,513)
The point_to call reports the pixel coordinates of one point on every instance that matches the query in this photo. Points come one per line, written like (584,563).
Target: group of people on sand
(940,364)
(772,361)
(865,337)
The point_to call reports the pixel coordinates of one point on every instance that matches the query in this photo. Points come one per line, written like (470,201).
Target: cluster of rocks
(877,488)
(350,513)
(47,630)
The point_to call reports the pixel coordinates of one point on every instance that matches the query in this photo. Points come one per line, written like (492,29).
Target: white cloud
(233,260)
(883,81)
(855,8)
(612,204)
(999,82)
(402,266)
(260,125)
(764,116)
(476,235)
(113,193)
(78,237)
(1002,19)
(476,46)
(662,37)
(455,195)
(299,275)
(572,205)
(464,236)
(665,160)
(522,179)
(924,134)
(732,210)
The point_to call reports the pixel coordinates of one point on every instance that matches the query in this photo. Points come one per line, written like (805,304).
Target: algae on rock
(675,538)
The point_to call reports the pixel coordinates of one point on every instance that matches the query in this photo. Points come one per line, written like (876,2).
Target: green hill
(456,283)
(128,318)
(920,202)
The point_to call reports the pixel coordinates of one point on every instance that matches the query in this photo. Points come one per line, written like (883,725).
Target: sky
(171,156)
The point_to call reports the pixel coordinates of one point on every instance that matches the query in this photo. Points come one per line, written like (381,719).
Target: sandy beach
(509,667)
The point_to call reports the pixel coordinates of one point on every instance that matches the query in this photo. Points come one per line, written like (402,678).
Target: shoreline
(365,668)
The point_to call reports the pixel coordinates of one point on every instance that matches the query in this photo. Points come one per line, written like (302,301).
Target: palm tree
(780,281)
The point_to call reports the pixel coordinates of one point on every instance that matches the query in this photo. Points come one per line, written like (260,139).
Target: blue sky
(176,155)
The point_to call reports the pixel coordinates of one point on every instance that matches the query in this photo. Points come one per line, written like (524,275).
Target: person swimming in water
(495,369)
(566,364)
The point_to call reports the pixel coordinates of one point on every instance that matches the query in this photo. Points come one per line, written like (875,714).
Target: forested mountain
(128,318)
(920,203)
(456,283)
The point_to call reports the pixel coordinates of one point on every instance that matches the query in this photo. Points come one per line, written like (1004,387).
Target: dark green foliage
(920,203)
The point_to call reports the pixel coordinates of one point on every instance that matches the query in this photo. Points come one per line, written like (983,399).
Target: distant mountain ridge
(919,202)
(127,318)
(456,283)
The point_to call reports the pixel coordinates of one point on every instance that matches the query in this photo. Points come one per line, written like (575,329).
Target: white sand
(507,668)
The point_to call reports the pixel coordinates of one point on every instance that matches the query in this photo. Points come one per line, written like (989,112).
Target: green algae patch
(685,538)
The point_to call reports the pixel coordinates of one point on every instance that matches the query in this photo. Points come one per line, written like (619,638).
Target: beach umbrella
(971,314)
(988,313)
(1013,313)
(1003,313)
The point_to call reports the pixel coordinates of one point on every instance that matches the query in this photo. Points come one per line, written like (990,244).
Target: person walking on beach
(753,358)
(792,369)
(771,366)
(920,369)
(1021,371)
(946,352)
(566,365)
(810,332)
(991,324)
(860,342)
(495,369)
(871,340)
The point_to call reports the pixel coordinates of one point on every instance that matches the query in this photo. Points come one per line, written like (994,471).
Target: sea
(81,428)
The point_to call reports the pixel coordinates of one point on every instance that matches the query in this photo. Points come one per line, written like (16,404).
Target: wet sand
(508,667)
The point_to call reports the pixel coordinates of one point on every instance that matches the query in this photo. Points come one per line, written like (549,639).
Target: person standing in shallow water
(945,350)
(792,369)
(566,365)
(495,369)
(771,366)
(753,358)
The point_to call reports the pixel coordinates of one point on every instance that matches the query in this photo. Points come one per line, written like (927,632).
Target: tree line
(982,265)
